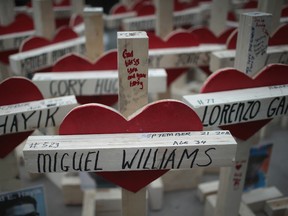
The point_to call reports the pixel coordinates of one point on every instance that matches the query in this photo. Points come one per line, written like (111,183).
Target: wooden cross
(22,111)
(62,153)
(27,62)
(250,58)
(275,54)
(91,83)
(191,16)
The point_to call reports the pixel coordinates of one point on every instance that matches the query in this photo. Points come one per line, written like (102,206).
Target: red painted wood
(161,116)
(16,90)
(230,79)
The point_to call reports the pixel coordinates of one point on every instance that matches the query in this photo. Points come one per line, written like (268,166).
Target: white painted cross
(57,153)
(239,106)
(29,116)
(44,20)
(243,106)
(91,83)
(191,16)
(28,62)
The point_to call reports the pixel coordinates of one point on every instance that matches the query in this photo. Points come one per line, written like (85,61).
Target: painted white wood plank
(94,27)
(13,40)
(277,207)
(273,8)
(89,83)
(7,13)
(238,106)
(36,114)
(251,48)
(164,17)
(133,95)
(256,199)
(115,152)
(114,21)
(44,19)
(219,12)
(191,16)
(182,57)
(252,43)
(133,71)
(226,58)
(28,62)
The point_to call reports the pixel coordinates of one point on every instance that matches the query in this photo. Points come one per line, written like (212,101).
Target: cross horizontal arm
(129,152)
(238,106)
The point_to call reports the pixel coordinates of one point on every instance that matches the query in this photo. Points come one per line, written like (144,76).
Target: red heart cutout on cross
(161,116)
(12,91)
(34,42)
(22,22)
(231,79)
(76,63)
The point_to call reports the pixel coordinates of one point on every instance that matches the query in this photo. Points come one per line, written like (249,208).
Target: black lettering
(126,163)
(3,125)
(74,162)
(204,116)
(64,168)
(171,159)
(146,160)
(51,116)
(26,119)
(187,155)
(255,111)
(14,124)
(87,161)
(210,159)
(96,162)
(163,159)
(140,159)
(154,159)
(45,159)
(212,114)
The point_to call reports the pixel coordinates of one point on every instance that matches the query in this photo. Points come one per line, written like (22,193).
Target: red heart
(76,63)
(168,116)
(62,34)
(16,90)
(22,23)
(238,166)
(230,79)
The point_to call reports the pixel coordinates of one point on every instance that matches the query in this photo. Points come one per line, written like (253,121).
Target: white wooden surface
(277,207)
(191,16)
(30,61)
(164,17)
(219,12)
(114,21)
(182,57)
(36,114)
(77,6)
(94,27)
(251,50)
(44,19)
(252,43)
(89,83)
(238,106)
(226,58)
(116,152)
(133,71)
(210,205)
(7,13)
(274,8)
(257,198)
(14,40)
